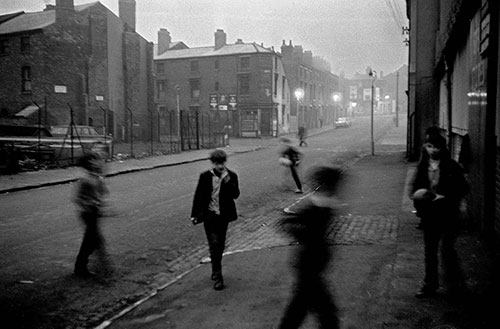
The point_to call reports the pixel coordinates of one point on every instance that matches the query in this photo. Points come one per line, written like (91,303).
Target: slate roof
(231,49)
(34,21)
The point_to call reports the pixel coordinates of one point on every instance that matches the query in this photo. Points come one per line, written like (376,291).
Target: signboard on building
(59,89)
(223,99)
(213,101)
(232,101)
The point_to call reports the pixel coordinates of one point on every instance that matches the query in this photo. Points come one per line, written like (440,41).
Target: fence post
(197,130)
(131,131)
(151,128)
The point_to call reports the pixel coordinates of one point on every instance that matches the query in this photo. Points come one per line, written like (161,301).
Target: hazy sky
(350,34)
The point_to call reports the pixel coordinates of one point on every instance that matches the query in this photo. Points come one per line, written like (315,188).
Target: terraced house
(242,86)
(81,60)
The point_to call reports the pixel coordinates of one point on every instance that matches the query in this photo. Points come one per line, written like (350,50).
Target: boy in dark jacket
(214,205)
(89,198)
(438,187)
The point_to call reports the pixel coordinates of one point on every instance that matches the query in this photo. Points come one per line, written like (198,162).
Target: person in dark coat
(89,197)
(437,189)
(291,153)
(302,134)
(309,226)
(214,206)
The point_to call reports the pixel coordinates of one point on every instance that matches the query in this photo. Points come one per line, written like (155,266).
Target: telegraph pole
(397,99)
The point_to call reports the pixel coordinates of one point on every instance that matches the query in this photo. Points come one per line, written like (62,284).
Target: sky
(350,34)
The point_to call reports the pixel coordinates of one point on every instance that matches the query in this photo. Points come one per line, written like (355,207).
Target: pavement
(376,269)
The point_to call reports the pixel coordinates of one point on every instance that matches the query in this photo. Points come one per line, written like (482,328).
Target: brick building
(359,93)
(454,81)
(312,75)
(243,85)
(80,56)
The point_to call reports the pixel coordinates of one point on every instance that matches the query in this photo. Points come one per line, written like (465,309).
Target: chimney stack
(220,39)
(126,9)
(65,11)
(164,41)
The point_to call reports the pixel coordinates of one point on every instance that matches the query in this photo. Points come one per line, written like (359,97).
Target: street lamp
(336,99)
(299,94)
(373,74)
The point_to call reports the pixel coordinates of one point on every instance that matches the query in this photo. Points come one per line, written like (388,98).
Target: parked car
(343,122)
(89,136)
(81,131)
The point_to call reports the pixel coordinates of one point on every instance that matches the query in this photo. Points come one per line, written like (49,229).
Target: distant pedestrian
(309,226)
(291,157)
(302,135)
(437,189)
(214,206)
(89,197)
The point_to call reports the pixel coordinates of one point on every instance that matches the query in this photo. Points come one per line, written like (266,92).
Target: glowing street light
(373,74)
(299,94)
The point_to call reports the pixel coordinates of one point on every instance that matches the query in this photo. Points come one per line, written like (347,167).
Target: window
(216,64)
(161,89)
(275,85)
(283,88)
(244,63)
(4,46)
(195,66)
(160,68)
(195,88)
(276,63)
(26,79)
(216,88)
(244,84)
(25,44)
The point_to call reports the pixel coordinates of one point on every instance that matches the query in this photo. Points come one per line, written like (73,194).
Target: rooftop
(230,49)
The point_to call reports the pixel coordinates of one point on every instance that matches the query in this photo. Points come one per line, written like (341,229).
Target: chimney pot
(164,40)
(220,39)
(126,9)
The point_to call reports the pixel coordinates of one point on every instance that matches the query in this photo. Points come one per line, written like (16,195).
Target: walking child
(89,197)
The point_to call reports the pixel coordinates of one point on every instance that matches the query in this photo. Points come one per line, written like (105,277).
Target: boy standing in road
(89,198)
(214,206)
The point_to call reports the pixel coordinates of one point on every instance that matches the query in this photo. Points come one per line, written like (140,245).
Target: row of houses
(83,64)
(454,82)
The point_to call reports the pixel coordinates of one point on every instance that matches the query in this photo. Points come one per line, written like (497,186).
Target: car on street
(88,136)
(343,122)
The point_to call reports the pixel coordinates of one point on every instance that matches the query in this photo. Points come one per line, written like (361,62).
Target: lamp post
(373,74)
(336,99)
(299,93)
